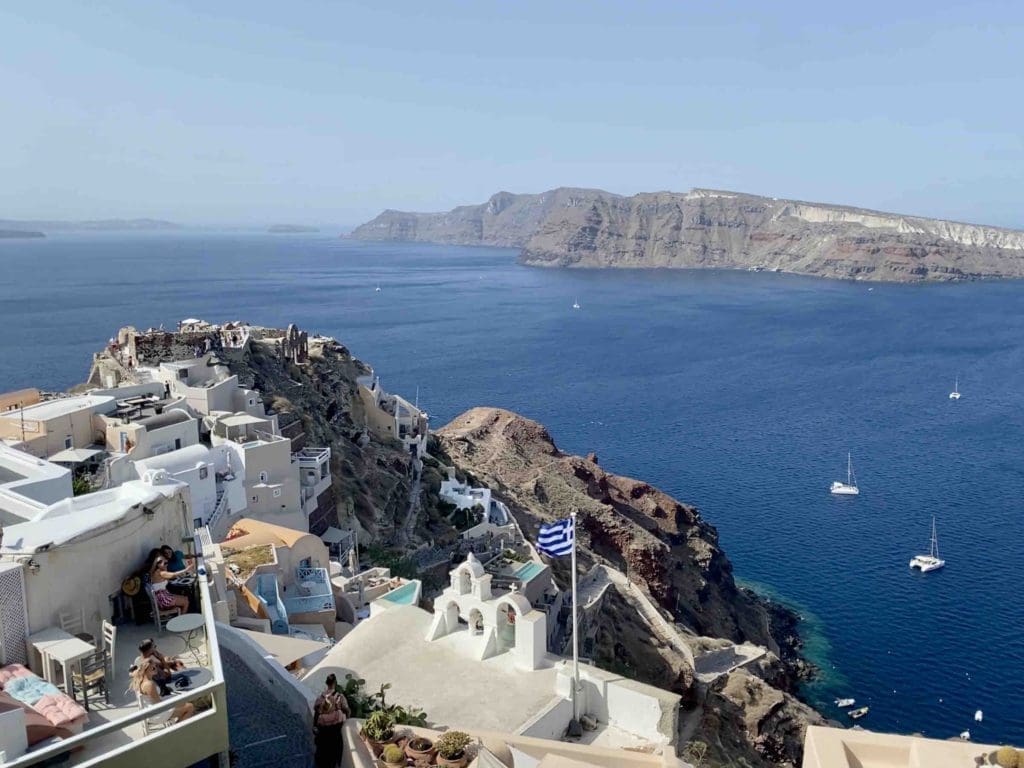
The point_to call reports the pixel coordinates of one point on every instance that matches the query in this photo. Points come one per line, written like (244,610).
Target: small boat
(931,561)
(955,394)
(377,289)
(576,304)
(979,716)
(857,714)
(849,488)
(965,736)
(844,703)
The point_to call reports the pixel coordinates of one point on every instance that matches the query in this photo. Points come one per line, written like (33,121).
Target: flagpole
(575,634)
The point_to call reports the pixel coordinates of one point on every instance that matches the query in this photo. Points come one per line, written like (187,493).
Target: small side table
(188,626)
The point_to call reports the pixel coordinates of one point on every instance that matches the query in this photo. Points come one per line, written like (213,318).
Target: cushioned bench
(35,694)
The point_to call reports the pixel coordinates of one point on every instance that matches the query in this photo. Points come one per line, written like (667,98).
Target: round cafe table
(195,676)
(188,626)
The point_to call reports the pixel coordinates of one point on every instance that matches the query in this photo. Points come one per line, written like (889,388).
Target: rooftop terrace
(114,736)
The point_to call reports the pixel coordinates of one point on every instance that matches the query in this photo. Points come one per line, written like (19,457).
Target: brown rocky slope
(671,554)
(714,229)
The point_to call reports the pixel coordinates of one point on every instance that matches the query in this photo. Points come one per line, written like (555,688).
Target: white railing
(218,511)
(213,721)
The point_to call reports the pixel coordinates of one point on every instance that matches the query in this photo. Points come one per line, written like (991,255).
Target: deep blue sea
(738,392)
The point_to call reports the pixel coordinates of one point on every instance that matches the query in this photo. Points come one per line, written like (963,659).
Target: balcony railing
(121,743)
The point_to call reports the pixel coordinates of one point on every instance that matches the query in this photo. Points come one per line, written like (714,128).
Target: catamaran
(576,304)
(955,394)
(849,488)
(931,561)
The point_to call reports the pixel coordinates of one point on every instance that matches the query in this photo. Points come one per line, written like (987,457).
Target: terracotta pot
(376,747)
(453,762)
(420,754)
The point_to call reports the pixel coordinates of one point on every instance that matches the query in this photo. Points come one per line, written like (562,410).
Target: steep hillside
(669,555)
(714,229)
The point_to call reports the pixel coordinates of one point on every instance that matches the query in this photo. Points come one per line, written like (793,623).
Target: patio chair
(150,724)
(73,622)
(93,676)
(160,615)
(108,642)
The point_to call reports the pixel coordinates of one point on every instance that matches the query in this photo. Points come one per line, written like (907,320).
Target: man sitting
(165,667)
(176,559)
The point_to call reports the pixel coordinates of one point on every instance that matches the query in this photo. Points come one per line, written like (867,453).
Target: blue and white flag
(556,539)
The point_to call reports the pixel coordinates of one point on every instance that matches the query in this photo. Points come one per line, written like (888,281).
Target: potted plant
(420,748)
(392,756)
(451,748)
(378,730)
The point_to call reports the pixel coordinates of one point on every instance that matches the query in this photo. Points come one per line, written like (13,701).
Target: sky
(255,113)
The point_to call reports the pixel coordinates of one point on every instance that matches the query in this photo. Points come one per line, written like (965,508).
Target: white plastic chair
(108,642)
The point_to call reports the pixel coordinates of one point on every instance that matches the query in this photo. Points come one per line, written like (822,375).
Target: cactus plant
(452,744)
(393,755)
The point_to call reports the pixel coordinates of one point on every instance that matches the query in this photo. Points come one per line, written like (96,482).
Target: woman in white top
(159,575)
(149,693)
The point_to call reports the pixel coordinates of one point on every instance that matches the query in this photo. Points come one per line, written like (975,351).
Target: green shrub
(451,744)
(393,754)
(380,726)
(1007,757)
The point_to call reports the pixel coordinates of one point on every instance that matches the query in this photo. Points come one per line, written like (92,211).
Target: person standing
(330,712)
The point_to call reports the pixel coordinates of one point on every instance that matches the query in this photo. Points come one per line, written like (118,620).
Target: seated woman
(143,684)
(158,578)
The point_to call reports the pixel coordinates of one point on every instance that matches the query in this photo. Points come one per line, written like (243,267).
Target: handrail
(85,737)
(218,511)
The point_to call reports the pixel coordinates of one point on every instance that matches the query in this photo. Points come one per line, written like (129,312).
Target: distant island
(19,234)
(99,225)
(290,229)
(706,228)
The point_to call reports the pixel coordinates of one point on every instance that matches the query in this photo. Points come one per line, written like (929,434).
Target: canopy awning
(285,649)
(74,455)
(334,535)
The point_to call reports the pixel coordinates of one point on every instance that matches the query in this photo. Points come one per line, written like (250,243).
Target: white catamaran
(955,394)
(931,561)
(849,488)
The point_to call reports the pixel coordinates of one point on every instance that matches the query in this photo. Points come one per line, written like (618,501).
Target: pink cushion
(59,709)
(12,671)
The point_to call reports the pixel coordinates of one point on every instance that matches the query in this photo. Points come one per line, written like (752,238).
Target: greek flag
(556,539)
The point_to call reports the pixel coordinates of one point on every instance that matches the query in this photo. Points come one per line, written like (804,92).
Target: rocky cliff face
(714,229)
(669,554)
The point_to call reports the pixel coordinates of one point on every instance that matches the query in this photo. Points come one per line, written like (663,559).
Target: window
(68,442)
(255,499)
(204,472)
(277,493)
(263,477)
(197,522)
(252,401)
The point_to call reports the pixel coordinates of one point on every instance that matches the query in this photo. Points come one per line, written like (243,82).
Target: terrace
(114,734)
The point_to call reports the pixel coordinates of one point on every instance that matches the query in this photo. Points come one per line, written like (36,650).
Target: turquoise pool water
(404,595)
(528,571)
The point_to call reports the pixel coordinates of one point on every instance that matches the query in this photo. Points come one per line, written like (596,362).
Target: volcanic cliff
(714,229)
(672,595)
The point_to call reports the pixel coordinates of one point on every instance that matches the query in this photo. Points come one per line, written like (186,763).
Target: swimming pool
(404,595)
(528,571)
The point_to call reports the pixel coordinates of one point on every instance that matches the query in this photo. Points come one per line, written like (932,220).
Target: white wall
(85,572)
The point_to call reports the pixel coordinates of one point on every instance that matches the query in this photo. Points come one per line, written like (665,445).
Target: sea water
(740,393)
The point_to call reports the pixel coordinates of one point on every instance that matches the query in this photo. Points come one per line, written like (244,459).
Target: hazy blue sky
(260,112)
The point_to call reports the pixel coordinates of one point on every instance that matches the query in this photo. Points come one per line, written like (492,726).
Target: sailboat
(955,394)
(377,290)
(931,561)
(576,304)
(849,488)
